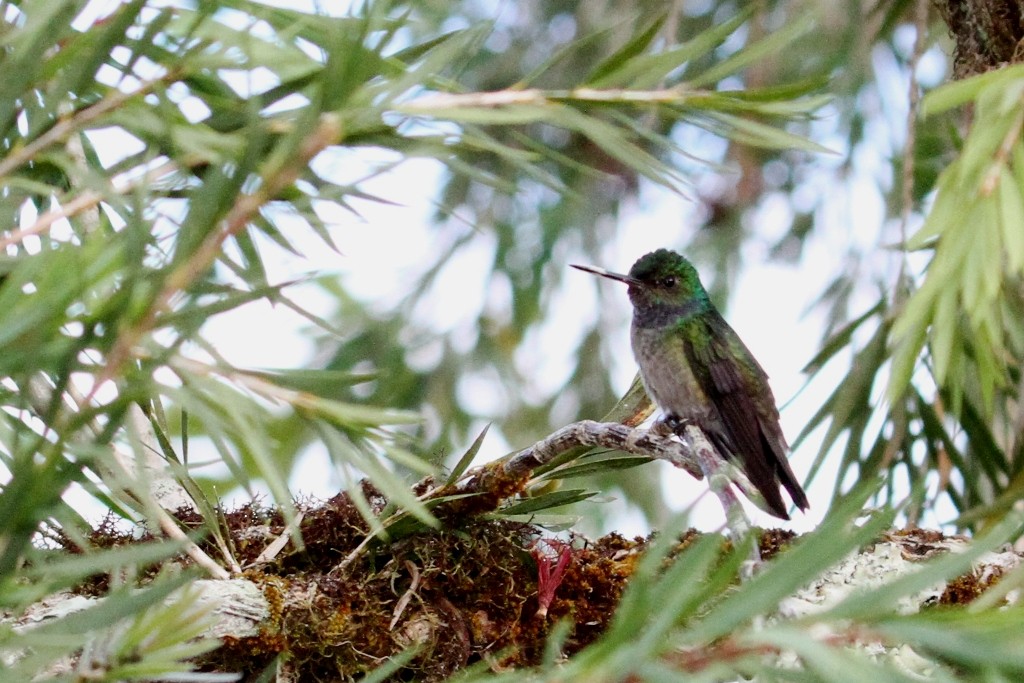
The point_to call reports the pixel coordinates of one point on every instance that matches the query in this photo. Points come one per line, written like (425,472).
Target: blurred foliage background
(945,427)
(155,153)
(742,133)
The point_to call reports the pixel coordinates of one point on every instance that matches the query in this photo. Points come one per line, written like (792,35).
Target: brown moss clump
(333,529)
(773,541)
(922,544)
(462,594)
(111,532)
(474,591)
(593,583)
(458,595)
(492,486)
(770,542)
(966,588)
(455,594)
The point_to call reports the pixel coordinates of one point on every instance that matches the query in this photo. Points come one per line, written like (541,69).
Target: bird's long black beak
(612,276)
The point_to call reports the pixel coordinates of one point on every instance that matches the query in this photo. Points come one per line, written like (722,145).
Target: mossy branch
(491,481)
(350,624)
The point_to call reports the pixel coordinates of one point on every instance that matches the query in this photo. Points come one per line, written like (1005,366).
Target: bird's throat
(666,315)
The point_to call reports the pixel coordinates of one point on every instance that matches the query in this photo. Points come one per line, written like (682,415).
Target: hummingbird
(697,370)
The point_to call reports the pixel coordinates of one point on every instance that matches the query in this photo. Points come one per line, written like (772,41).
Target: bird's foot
(661,428)
(669,424)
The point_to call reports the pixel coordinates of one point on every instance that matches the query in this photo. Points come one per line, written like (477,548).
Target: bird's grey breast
(667,373)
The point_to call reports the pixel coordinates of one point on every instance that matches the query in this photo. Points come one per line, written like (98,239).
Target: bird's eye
(669,282)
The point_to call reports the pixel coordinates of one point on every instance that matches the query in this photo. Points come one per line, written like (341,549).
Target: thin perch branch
(606,435)
(712,464)
(493,478)
(482,489)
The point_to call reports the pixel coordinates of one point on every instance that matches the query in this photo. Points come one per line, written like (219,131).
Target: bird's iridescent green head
(661,281)
(664,277)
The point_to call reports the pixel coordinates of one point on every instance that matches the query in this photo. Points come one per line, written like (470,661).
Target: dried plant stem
(171,529)
(62,129)
(534,96)
(85,201)
(914,104)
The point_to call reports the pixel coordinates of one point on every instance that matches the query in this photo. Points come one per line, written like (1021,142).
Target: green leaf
(393,665)
(851,399)
(633,70)
(601,76)
(755,52)
(68,570)
(981,641)
(324,383)
(655,602)
(761,135)
(390,485)
(354,415)
(450,110)
(547,500)
(601,466)
(467,458)
(90,49)
(824,662)
(960,92)
(841,339)
(798,566)
(1011,215)
(615,144)
(26,46)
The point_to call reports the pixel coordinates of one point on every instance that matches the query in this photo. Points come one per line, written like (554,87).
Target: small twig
(117,469)
(148,460)
(271,552)
(355,553)
(720,483)
(66,127)
(171,529)
(588,433)
(914,104)
(84,202)
(909,152)
(429,104)
(403,602)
